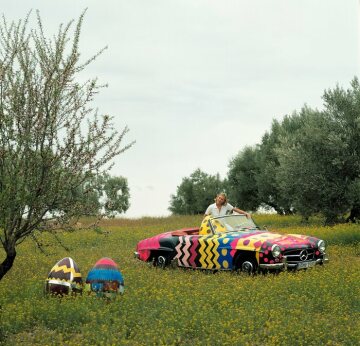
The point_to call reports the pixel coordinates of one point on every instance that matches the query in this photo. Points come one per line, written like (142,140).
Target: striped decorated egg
(105,278)
(64,278)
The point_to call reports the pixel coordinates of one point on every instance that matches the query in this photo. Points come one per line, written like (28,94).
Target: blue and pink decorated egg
(64,278)
(105,278)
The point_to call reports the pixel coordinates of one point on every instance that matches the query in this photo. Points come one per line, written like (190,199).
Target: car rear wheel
(160,261)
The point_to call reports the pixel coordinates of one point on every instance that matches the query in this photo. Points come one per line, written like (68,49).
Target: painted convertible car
(232,242)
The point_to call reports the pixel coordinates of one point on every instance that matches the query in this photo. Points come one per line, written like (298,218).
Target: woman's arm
(242,212)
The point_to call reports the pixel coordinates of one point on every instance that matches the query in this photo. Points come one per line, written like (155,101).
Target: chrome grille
(299,255)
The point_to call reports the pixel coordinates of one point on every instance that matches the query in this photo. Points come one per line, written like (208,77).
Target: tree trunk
(6,265)
(354,214)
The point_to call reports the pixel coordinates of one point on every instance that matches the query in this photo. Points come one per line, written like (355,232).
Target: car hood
(264,239)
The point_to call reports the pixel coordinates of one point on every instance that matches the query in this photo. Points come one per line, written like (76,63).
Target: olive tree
(269,184)
(103,194)
(114,194)
(51,138)
(242,185)
(342,108)
(305,172)
(319,165)
(195,193)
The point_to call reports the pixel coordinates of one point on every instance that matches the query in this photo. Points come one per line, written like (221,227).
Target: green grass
(176,306)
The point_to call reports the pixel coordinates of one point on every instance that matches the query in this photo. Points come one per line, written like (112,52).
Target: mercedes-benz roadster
(232,242)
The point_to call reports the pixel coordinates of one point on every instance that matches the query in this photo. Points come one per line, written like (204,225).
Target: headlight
(275,250)
(321,246)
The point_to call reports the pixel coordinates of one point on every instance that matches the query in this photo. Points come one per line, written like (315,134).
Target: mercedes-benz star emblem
(304,255)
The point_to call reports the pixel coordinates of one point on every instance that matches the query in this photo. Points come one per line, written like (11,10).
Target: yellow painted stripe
(209,254)
(216,252)
(66,269)
(202,253)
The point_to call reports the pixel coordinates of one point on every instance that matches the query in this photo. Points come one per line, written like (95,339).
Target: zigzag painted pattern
(186,252)
(216,253)
(209,254)
(66,269)
(193,251)
(202,252)
(179,253)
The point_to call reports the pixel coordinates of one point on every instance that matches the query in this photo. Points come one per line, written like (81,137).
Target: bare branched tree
(51,139)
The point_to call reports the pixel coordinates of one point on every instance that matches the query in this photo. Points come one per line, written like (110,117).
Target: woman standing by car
(221,207)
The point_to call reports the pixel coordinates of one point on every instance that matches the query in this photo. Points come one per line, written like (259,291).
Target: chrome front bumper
(284,265)
(136,254)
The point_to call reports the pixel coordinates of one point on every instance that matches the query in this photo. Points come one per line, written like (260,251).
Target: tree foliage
(115,194)
(342,108)
(51,139)
(307,173)
(308,163)
(241,179)
(320,161)
(103,194)
(269,192)
(195,193)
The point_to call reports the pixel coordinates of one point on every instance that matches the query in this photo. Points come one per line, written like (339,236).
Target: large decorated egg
(105,278)
(64,278)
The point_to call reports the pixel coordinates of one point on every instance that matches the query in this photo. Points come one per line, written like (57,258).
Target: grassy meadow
(319,306)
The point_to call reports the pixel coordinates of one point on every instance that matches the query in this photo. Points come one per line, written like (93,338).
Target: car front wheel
(246,265)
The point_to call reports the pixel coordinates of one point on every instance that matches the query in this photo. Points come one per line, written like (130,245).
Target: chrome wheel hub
(247,266)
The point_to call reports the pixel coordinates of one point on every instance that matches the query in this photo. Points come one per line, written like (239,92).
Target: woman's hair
(223,194)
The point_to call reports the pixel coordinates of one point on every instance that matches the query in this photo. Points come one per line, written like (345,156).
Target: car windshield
(232,223)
